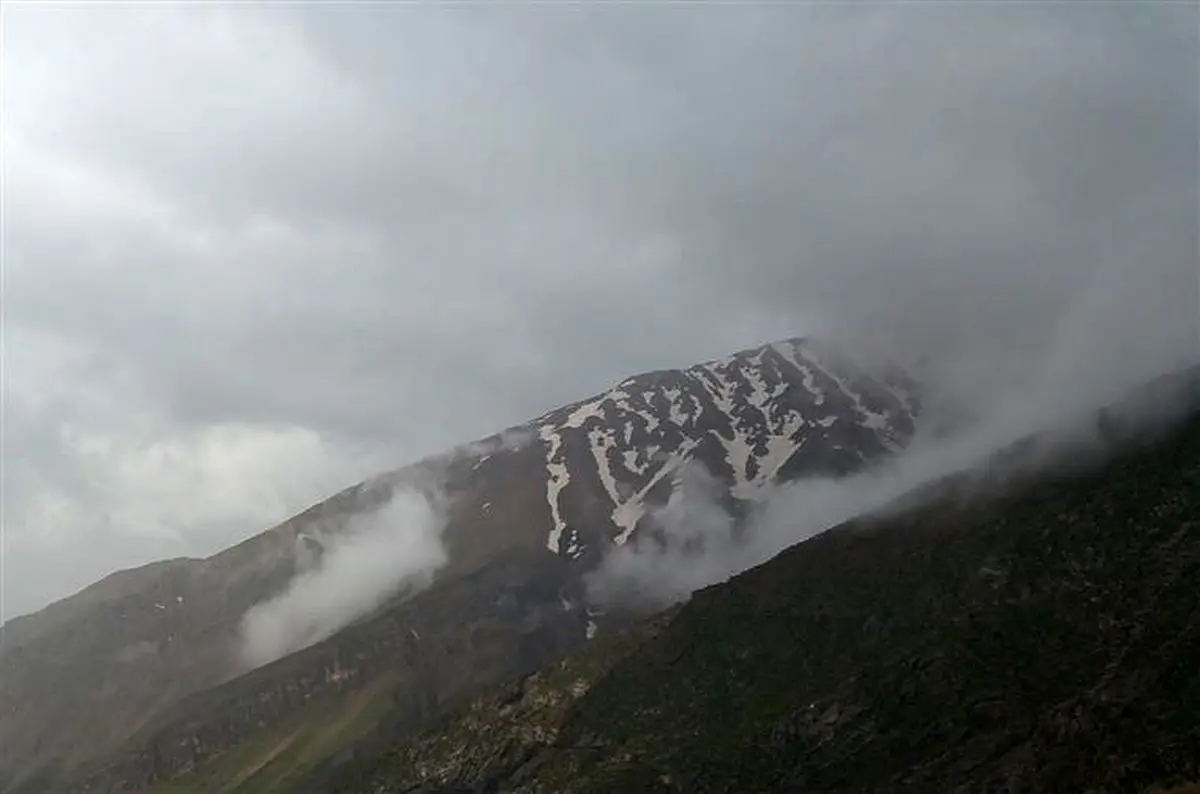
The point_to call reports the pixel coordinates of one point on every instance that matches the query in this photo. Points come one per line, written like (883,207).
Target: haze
(252,254)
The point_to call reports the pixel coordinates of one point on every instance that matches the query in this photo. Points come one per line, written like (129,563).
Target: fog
(295,244)
(1109,342)
(393,548)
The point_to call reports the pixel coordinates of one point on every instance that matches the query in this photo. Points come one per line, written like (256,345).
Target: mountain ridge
(1045,638)
(946,602)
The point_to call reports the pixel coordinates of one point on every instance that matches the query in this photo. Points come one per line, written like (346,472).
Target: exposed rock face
(81,677)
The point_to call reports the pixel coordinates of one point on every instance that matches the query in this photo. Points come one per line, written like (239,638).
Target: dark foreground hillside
(1049,642)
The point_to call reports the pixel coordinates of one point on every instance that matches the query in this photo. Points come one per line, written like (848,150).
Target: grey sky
(254,253)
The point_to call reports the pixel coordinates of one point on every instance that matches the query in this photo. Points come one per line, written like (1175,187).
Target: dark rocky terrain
(137,679)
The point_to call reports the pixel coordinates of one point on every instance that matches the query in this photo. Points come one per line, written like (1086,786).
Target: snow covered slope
(778,412)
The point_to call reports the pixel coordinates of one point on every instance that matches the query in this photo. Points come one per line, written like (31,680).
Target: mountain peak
(774,412)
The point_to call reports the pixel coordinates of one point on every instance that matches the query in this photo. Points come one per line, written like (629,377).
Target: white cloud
(376,232)
(1110,342)
(378,554)
(98,478)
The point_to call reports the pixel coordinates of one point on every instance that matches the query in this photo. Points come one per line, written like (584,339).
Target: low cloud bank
(692,541)
(1111,340)
(695,542)
(395,547)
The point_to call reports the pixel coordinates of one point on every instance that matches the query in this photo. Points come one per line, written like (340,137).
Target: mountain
(138,678)
(775,413)
(1044,639)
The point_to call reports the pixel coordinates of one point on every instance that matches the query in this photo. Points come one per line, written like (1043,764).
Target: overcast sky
(252,254)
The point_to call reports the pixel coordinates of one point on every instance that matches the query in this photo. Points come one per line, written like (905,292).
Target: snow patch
(584,412)
(628,514)
(557,478)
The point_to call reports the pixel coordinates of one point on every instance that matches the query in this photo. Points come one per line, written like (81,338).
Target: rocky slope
(1046,640)
(107,674)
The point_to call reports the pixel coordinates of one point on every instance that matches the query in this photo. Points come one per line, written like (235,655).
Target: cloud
(98,479)
(399,228)
(695,542)
(688,543)
(509,440)
(1097,360)
(395,547)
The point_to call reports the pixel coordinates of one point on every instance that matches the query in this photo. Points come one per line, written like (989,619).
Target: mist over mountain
(357,361)
(1038,637)
(505,599)
(558,492)
(255,255)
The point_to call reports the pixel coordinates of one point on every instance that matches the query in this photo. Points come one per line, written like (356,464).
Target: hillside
(1046,641)
(138,678)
